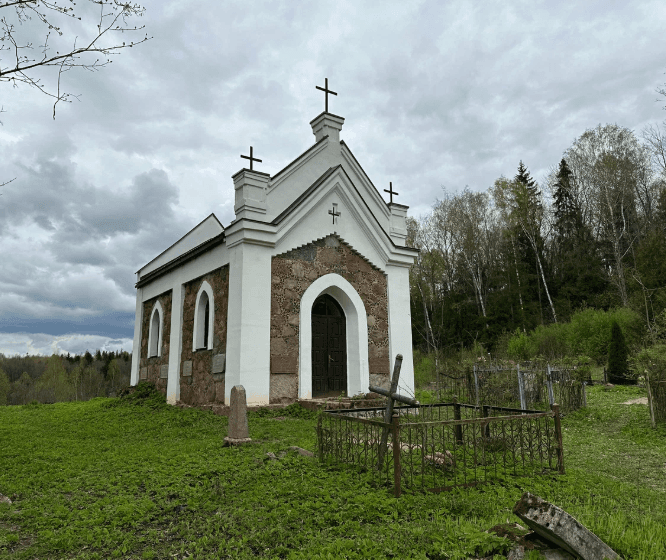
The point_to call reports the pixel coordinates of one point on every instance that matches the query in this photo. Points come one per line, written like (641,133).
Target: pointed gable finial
(326,92)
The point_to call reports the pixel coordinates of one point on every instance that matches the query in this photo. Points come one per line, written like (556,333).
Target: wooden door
(329,348)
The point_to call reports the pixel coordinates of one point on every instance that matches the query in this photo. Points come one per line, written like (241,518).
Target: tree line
(60,378)
(520,254)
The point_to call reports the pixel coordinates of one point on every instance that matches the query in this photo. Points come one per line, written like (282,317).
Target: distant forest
(522,255)
(24,379)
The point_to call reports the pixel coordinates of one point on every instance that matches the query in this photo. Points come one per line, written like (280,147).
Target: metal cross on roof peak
(326,92)
(251,158)
(391,192)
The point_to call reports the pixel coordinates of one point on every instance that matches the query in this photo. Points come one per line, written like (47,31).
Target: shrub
(424,368)
(519,346)
(618,367)
(143,393)
(651,362)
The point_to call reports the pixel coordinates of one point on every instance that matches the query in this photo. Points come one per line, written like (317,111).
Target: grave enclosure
(442,446)
(533,386)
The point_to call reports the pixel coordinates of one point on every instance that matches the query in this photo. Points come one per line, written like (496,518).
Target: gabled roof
(297,159)
(206,229)
(316,185)
(181,260)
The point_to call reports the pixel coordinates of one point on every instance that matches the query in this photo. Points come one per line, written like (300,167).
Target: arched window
(155,331)
(203,319)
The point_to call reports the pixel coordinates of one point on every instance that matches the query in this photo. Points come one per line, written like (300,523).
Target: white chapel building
(304,295)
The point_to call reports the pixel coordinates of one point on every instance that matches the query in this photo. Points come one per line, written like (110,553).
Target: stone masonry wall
(292,274)
(203,386)
(150,368)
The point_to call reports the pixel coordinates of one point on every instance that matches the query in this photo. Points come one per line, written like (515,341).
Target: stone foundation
(284,388)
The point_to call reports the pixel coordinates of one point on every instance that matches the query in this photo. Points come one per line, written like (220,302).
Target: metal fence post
(319,437)
(457,429)
(476,385)
(521,388)
(584,394)
(549,382)
(558,434)
(486,413)
(395,430)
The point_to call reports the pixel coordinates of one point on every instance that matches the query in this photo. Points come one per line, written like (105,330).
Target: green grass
(123,478)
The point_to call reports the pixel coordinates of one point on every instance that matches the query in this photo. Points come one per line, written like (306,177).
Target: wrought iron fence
(444,446)
(532,385)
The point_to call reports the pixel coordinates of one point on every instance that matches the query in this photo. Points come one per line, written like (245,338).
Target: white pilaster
(175,342)
(400,326)
(136,345)
(248,322)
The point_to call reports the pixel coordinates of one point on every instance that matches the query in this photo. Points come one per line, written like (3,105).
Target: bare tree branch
(113,19)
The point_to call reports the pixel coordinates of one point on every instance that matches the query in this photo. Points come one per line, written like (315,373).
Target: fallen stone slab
(557,526)
(302,451)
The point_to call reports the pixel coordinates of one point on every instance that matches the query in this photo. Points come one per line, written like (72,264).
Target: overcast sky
(435,95)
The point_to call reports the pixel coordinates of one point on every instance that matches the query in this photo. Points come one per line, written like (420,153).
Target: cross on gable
(326,92)
(391,192)
(334,213)
(251,158)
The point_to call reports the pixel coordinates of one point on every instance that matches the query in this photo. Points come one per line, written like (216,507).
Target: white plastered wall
(136,345)
(358,377)
(248,322)
(400,326)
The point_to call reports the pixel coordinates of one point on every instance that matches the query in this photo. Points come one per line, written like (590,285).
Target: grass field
(114,478)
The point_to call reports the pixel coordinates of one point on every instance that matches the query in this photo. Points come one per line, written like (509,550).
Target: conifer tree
(618,370)
(579,274)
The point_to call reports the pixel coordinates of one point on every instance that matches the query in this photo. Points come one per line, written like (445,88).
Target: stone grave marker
(557,526)
(238,432)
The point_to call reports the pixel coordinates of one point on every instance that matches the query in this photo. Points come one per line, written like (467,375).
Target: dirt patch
(641,400)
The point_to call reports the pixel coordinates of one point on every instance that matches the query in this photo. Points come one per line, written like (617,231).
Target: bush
(586,334)
(520,346)
(618,366)
(143,393)
(424,369)
(651,363)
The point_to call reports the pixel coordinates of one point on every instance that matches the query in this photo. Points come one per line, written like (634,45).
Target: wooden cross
(326,92)
(391,192)
(251,158)
(334,214)
(388,415)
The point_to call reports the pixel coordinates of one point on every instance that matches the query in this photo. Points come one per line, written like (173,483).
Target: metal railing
(525,386)
(444,446)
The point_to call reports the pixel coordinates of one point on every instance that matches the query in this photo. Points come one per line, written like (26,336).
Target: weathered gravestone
(557,526)
(238,429)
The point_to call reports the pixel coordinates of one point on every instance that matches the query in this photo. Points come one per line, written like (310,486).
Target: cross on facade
(391,192)
(334,213)
(388,415)
(326,92)
(251,158)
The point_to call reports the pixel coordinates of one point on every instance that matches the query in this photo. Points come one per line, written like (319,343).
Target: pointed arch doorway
(329,348)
